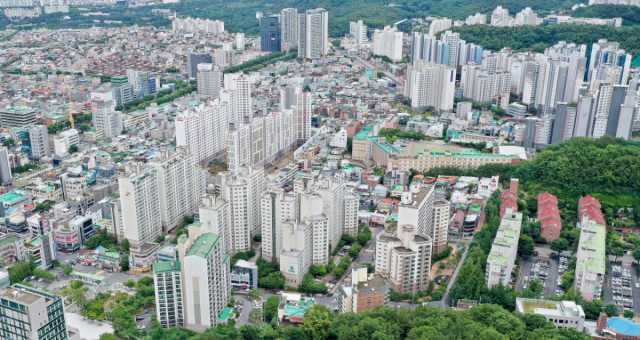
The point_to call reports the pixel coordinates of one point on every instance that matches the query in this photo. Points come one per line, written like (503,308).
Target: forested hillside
(630,14)
(239,16)
(537,38)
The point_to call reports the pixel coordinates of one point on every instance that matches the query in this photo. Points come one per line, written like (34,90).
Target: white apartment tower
(441,208)
(203,130)
(313,33)
(181,182)
(359,31)
(167,281)
(430,86)
(289,27)
(351,207)
(104,114)
(215,216)
(243,190)
(388,42)
(303,116)
(140,203)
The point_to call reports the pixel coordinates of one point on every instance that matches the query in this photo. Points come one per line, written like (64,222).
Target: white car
(637,285)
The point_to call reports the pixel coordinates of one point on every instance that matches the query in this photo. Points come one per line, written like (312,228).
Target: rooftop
(166,267)
(11,197)
(624,326)
(204,245)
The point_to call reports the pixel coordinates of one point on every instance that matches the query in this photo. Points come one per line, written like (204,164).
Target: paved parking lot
(611,286)
(551,273)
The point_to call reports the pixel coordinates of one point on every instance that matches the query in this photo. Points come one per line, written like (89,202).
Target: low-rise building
(244,275)
(465,159)
(366,292)
(294,307)
(563,314)
(590,262)
(141,258)
(504,250)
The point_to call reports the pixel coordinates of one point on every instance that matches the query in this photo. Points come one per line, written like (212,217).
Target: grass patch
(528,306)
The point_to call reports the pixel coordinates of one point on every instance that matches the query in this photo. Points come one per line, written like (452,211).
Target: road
(452,281)
(389,75)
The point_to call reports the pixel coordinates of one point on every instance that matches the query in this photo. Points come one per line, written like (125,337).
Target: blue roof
(624,326)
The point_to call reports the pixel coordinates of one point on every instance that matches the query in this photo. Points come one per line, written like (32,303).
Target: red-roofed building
(590,207)
(549,216)
(508,200)
(588,201)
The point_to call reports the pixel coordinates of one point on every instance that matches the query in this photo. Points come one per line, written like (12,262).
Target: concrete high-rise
(388,43)
(5,166)
(215,215)
(430,86)
(270,33)
(209,81)
(33,314)
(181,182)
(313,33)
(140,204)
(35,141)
(289,28)
(359,31)
(194,59)
(104,114)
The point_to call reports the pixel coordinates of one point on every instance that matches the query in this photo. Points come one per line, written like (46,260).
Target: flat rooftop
(375,281)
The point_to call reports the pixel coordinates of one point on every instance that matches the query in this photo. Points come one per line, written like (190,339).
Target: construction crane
(73,126)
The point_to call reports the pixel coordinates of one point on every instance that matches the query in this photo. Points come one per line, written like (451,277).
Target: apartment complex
(430,86)
(366,292)
(32,314)
(441,212)
(406,257)
(243,191)
(289,26)
(590,261)
(193,291)
(504,249)
(180,184)
(387,42)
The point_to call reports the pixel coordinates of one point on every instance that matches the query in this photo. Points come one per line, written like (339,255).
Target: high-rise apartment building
(209,81)
(605,52)
(207,282)
(215,216)
(313,33)
(500,17)
(5,165)
(441,208)
(388,42)
(181,182)
(504,249)
(359,31)
(140,204)
(270,33)
(303,116)
(122,90)
(203,129)
(169,293)
(193,291)
(240,44)
(243,190)
(104,114)
(289,26)
(351,207)
(406,256)
(32,314)
(430,86)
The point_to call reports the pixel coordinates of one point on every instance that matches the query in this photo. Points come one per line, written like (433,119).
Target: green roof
(225,313)
(203,246)
(111,254)
(166,267)
(9,239)
(10,197)
(597,262)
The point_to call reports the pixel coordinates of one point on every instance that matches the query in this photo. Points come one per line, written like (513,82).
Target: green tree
(124,264)
(255,294)
(256,314)
(611,309)
(636,254)
(77,284)
(8,142)
(67,270)
(560,244)
(188,219)
(317,322)
(125,245)
(526,246)
(84,127)
(536,287)
(567,279)
(271,306)
(73,148)
(354,251)
(628,314)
